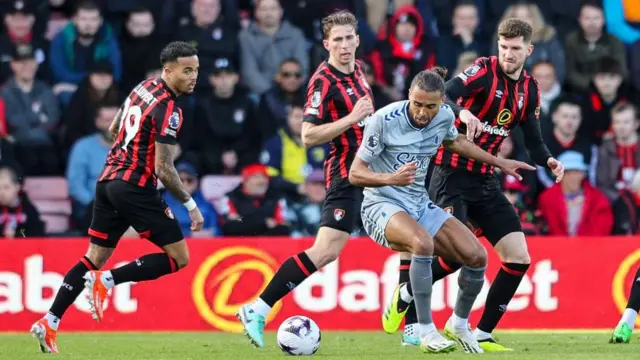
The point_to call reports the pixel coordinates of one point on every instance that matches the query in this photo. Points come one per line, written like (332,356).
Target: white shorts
(376,216)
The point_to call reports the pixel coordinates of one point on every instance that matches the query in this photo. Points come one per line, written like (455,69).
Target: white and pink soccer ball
(299,335)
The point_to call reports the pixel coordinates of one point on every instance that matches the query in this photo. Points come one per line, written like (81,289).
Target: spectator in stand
(585,47)
(19,21)
(531,221)
(548,85)
(19,217)
(289,161)
(139,42)
(464,37)
(86,162)
(254,208)
(406,52)
(379,97)
(566,116)
(81,43)
(574,207)
(606,90)
(276,102)
(266,43)
(214,34)
(545,41)
(304,215)
(79,118)
(227,129)
(620,15)
(32,115)
(465,60)
(189,178)
(626,209)
(619,157)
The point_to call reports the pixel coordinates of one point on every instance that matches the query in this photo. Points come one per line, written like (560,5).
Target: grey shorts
(376,216)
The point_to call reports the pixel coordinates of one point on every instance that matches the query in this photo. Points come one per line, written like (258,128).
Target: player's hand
(405,175)
(557,168)
(474,125)
(361,110)
(196,219)
(511,167)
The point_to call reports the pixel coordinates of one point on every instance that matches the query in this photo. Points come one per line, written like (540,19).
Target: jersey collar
(167,88)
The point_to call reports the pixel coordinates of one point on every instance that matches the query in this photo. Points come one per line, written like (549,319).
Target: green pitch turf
(335,345)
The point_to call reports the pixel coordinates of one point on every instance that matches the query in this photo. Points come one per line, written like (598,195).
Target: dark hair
(466,3)
(338,18)
(175,50)
(139,10)
(623,106)
(564,100)
(591,3)
(290,60)
(514,28)
(297,101)
(543,62)
(88,5)
(608,65)
(430,80)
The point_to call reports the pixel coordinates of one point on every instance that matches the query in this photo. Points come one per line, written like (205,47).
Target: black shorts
(119,204)
(476,198)
(341,208)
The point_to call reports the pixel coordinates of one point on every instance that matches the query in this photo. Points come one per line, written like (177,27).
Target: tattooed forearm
(167,173)
(114,129)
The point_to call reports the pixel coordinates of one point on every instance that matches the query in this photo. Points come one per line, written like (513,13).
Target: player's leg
(622,332)
(105,231)
(390,226)
(339,215)
(453,240)
(402,303)
(149,215)
(501,227)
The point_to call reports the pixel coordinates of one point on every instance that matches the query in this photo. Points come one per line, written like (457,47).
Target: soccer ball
(299,335)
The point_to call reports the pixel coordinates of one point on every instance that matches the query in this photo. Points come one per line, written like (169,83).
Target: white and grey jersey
(390,141)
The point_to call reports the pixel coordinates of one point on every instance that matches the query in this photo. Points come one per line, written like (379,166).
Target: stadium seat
(55,224)
(46,188)
(214,187)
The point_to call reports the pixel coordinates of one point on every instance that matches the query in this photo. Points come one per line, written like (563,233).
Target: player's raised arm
(316,130)
(465,85)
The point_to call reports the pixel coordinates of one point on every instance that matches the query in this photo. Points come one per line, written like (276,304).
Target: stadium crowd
(66,66)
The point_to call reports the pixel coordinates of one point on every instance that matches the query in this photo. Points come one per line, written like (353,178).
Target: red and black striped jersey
(148,115)
(331,95)
(500,103)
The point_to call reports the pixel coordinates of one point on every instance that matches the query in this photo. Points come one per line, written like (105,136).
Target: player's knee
(422,245)
(477,258)
(519,258)
(182,260)
(98,255)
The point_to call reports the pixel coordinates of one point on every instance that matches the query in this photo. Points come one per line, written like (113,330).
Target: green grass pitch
(335,345)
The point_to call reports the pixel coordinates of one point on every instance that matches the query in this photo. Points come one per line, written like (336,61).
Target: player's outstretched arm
(470,150)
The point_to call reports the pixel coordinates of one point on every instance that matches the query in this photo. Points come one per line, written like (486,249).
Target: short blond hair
(338,18)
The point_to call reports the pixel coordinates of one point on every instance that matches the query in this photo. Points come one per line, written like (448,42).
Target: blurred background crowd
(66,66)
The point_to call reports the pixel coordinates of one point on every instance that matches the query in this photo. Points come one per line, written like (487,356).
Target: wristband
(190,205)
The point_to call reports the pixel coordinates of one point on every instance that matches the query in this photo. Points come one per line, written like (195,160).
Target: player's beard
(510,68)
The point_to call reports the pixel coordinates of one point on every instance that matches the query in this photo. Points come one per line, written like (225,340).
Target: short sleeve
(452,132)
(315,109)
(167,119)
(373,140)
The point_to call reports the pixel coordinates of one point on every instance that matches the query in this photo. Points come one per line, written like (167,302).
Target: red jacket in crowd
(596,219)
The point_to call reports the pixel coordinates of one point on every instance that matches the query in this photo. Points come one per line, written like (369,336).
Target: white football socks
(53,321)
(629,316)
(261,307)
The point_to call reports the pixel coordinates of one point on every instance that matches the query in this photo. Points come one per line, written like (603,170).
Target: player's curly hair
(338,18)
(430,80)
(175,50)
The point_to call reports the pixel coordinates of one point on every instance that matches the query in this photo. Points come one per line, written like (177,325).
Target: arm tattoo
(167,173)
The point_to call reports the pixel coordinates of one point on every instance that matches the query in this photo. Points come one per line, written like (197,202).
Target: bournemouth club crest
(338,214)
